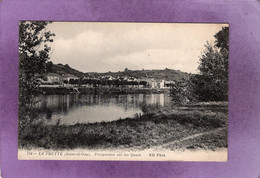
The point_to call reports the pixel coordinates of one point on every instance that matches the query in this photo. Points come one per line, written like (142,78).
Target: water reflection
(75,108)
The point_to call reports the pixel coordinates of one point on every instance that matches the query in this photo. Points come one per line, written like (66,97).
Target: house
(162,84)
(152,83)
(111,78)
(169,84)
(68,77)
(166,84)
(51,78)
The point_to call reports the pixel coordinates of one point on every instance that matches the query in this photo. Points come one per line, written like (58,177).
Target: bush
(182,92)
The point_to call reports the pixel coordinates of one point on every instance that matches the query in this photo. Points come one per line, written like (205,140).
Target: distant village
(70,81)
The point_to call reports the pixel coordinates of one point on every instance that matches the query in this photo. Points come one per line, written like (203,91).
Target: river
(76,108)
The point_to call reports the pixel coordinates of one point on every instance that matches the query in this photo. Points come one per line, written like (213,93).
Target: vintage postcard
(123,91)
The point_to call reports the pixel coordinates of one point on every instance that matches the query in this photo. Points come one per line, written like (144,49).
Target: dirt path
(190,137)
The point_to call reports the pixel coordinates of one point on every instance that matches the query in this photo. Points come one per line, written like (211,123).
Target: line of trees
(211,84)
(95,82)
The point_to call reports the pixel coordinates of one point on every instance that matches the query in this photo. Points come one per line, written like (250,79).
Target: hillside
(166,74)
(63,69)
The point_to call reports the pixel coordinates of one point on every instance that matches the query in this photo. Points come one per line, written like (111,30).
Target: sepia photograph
(123,91)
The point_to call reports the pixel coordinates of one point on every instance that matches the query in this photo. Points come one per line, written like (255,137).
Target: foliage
(33,55)
(106,82)
(63,69)
(212,84)
(182,91)
(49,67)
(166,74)
(222,40)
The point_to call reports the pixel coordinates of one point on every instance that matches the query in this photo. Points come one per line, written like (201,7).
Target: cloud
(102,47)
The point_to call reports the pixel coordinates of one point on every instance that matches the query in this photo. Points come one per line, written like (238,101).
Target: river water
(76,108)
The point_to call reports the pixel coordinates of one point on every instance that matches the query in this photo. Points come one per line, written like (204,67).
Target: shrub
(182,92)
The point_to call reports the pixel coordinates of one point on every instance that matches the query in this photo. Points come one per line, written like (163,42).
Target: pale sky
(103,46)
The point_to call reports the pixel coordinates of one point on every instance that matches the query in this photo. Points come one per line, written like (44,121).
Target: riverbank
(197,126)
(100,90)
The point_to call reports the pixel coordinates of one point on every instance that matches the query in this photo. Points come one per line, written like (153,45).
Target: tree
(182,91)
(49,66)
(213,67)
(33,56)
(211,84)
(222,40)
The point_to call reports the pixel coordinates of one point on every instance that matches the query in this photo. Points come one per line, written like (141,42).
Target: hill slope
(166,74)
(63,69)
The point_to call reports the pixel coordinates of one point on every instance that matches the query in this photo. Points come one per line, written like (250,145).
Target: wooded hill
(166,74)
(63,69)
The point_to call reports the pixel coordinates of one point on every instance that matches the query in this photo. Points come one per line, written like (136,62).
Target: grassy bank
(156,127)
